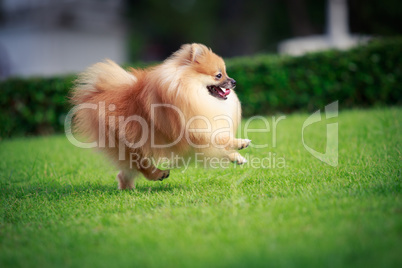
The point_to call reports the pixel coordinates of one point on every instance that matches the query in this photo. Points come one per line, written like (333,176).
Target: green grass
(60,205)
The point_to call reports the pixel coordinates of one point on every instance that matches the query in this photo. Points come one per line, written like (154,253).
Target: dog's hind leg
(126,179)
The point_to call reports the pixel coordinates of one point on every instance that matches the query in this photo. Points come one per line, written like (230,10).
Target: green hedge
(34,105)
(364,76)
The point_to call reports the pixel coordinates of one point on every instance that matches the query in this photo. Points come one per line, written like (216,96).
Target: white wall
(28,53)
(48,37)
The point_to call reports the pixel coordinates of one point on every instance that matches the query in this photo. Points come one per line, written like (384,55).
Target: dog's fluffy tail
(100,77)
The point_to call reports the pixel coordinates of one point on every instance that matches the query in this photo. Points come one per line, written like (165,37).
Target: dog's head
(208,69)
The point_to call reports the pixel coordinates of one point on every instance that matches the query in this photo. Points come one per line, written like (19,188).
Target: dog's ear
(196,51)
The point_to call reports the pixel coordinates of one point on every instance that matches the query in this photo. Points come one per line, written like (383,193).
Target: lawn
(60,206)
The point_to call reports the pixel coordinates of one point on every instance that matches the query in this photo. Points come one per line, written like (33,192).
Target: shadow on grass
(55,190)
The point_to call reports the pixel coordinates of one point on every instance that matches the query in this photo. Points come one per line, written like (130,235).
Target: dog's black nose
(233,82)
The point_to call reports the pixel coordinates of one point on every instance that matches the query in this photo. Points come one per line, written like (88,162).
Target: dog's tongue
(224,92)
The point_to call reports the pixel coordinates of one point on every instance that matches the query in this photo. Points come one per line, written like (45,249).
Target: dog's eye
(219,76)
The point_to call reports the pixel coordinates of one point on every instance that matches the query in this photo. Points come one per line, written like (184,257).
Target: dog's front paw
(244,144)
(237,158)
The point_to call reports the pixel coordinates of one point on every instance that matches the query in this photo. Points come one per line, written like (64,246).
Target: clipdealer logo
(330,156)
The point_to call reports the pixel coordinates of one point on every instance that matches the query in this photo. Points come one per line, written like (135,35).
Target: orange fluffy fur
(180,81)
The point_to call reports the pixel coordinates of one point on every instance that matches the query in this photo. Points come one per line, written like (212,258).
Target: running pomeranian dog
(184,106)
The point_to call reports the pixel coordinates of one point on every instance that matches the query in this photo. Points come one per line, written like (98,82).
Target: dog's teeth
(223,89)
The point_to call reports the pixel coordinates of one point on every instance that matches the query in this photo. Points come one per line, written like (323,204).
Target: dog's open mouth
(218,92)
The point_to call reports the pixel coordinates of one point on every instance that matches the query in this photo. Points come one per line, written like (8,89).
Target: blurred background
(48,37)
(45,43)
